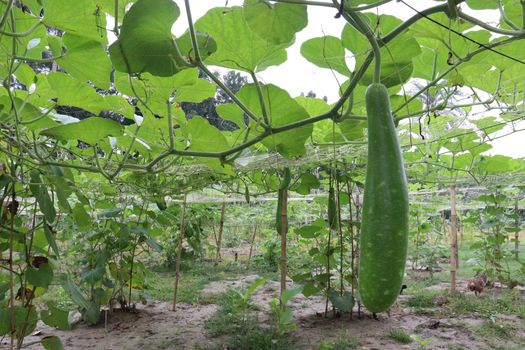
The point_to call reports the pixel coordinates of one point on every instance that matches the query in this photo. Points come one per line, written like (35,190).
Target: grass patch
(259,339)
(343,343)
(193,281)
(400,335)
(423,300)
(502,330)
(508,302)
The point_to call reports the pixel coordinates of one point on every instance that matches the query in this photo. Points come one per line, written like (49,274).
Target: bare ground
(155,326)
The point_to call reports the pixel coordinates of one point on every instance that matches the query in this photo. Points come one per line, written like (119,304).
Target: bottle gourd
(384,227)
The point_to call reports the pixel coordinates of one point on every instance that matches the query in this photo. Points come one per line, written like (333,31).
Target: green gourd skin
(384,227)
(332,210)
(283,186)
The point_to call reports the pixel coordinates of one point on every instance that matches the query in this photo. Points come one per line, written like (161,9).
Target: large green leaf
(90,309)
(52,343)
(80,17)
(326,52)
(482,4)
(282,110)
(207,138)
(343,302)
(86,59)
(39,190)
(238,47)
(284,20)
(56,317)
(89,130)
(68,91)
(25,320)
(50,238)
(41,276)
(145,43)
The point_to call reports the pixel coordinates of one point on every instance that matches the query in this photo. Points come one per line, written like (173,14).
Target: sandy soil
(155,326)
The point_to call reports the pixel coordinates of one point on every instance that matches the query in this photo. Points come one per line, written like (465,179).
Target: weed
(420,301)
(260,339)
(400,335)
(343,343)
(234,314)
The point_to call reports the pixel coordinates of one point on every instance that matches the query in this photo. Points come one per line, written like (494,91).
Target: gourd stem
(355,19)
(193,36)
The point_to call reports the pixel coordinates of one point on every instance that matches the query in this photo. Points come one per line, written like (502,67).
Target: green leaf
(39,190)
(488,125)
(344,302)
(81,217)
(482,4)
(282,110)
(84,18)
(52,343)
(326,52)
(290,293)
(89,130)
(86,59)
(56,317)
(238,47)
(231,112)
(284,20)
(25,320)
(309,231)
(197,92)
(253,286)
(306,184)
(207,138)
(145,43)
(51,239)
(68,91)
(90,309)
(41,276)
(207,45)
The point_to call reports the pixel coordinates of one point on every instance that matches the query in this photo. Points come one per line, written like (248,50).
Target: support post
(453,238)
(517,233)
(179,252)
(219,239)
(252,243)
(284,229)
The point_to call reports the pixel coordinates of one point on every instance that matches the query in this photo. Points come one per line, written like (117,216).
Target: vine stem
(367,31)
(450,69)
(261,98)
(326,4)
(115,28)
(475,21)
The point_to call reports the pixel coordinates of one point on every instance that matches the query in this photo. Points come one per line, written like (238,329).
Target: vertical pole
(284,229)
(453,238)
(219,240)
(252,243)
(517,233)
(179,252)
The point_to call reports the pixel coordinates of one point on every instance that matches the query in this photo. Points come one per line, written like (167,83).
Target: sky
(324,82)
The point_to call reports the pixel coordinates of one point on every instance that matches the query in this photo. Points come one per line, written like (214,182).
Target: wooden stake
(453,238)
(251,244)
(284,229)
(179,252)
(219,240)
(517,233)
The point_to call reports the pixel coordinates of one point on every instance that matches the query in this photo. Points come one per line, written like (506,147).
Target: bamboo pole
(251,244)
(453,238)
(179,252)
(284,229)
(219,240)
(517,233)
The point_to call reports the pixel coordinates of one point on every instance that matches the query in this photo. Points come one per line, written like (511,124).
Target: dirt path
(155,326)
